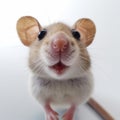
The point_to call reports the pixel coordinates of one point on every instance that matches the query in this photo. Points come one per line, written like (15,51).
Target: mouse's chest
(57,92)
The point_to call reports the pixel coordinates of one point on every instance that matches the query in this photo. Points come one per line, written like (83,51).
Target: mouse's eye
(42,34)
(76,34)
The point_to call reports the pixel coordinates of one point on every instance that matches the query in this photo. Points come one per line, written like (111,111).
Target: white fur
(77,90)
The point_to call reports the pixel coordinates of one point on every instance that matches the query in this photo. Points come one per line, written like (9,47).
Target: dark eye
(76,34)
(42,34)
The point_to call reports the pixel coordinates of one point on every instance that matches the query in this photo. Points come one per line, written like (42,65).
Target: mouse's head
(57,51)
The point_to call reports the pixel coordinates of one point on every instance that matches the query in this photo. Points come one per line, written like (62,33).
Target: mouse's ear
(28,29)
(87,29)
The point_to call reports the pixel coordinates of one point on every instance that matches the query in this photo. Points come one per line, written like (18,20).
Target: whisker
(85,59)
(38,67)
(35,62)
(84,62)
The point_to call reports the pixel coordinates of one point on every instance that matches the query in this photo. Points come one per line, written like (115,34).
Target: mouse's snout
(59,54)
(60,43)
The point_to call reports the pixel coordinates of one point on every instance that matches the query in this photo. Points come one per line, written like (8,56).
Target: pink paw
(51,114)
(69,114)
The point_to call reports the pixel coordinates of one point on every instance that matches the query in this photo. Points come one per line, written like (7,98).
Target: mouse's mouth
(59,68)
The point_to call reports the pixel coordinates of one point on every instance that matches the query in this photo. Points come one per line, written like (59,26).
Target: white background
(105,50)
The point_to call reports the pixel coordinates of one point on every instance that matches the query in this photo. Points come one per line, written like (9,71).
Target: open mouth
(59,68)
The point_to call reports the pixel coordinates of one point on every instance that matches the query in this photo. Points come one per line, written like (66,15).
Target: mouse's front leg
(70,113)
(50,113)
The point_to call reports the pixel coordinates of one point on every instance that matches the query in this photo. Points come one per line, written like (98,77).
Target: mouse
(59,62)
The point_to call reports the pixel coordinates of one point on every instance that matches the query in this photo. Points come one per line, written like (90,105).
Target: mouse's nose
(60,43)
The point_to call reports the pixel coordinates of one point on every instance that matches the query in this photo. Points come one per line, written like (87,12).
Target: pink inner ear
(87,29)
(32,33)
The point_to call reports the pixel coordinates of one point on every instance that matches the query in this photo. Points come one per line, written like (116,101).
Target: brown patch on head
(58,27)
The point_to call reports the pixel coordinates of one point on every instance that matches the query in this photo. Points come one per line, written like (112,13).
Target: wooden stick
(99,109)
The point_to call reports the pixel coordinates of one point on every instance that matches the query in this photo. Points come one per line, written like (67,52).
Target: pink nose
(60,44)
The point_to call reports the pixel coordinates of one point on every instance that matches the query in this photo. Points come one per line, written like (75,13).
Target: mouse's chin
(59,68)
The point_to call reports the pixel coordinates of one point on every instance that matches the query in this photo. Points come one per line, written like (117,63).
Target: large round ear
(87,29)
(28,29)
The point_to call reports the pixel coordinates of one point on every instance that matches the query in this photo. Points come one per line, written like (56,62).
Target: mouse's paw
(51,114)
(69,114)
